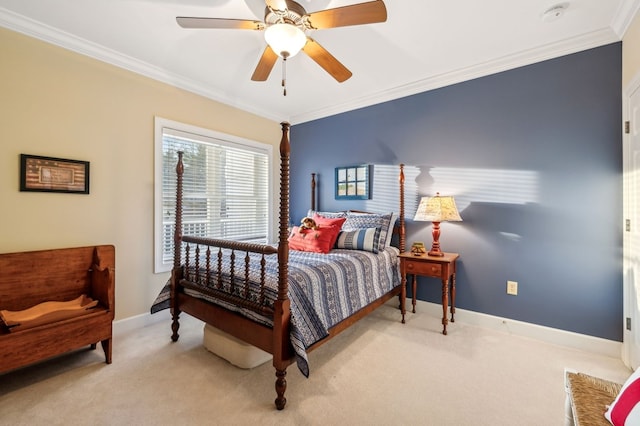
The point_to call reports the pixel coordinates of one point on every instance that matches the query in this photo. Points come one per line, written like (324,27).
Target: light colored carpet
(378,372)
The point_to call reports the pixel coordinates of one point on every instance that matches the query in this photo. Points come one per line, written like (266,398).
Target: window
(352,183)
(225,187)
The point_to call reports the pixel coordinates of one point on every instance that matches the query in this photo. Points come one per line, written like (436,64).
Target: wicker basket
(589,397)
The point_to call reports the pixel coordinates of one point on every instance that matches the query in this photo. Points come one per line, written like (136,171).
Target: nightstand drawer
(422,268)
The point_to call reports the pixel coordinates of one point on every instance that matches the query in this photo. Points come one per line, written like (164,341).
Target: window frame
(353,182)
(204,135)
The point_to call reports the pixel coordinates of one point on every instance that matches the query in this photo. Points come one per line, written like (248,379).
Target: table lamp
(437,209)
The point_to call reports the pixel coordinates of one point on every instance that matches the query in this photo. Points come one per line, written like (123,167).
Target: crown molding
(624,16)
(68,41)
(519,59)
(38,30)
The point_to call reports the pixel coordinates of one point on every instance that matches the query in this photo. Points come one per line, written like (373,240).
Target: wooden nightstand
(443,267)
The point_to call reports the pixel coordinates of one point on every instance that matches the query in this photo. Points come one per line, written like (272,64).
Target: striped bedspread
(324,289)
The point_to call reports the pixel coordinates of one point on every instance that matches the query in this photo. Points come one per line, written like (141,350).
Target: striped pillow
(625,409)
(366,239)
(356,220)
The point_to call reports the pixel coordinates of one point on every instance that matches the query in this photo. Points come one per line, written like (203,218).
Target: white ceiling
(424,44)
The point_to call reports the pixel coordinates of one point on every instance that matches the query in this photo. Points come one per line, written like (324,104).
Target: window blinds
(225,189)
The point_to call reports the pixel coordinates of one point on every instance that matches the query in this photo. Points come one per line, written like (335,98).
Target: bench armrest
(103,277)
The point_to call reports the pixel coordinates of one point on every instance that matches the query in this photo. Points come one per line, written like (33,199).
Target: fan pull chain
(284,76)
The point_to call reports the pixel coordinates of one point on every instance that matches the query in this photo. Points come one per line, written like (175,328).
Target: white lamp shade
(286,40)
(438,209)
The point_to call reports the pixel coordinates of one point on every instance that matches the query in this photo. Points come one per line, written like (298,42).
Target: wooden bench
(30,278)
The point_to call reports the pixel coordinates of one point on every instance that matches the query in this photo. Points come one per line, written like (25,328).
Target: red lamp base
(435,246)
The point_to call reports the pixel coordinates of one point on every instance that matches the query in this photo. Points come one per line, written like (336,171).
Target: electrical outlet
(512,288)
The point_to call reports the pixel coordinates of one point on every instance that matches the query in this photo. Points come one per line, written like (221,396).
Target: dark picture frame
(353,182)
(50,174)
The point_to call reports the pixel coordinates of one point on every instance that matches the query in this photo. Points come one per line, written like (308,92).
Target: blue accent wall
(533,157)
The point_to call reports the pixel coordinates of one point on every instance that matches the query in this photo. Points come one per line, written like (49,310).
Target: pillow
(318,241)
(328,221)
(360,239)
(392,224)
(330,215)
(357,220)
(325,221)
(625,409)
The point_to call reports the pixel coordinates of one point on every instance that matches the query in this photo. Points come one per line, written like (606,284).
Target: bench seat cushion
(46,313)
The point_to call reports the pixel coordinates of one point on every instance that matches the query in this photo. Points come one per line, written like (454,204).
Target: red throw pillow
(320,240)
(625,409)
(329,221)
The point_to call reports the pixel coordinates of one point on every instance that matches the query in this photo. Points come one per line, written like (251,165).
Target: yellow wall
(57,103)
(631,52)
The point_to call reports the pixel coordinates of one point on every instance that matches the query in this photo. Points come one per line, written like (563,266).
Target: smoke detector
(554,12)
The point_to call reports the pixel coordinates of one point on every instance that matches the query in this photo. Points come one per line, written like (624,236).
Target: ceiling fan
(286,24)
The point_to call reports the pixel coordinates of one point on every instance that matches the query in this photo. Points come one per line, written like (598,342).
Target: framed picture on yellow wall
(49,174)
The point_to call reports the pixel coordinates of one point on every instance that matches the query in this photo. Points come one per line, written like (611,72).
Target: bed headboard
(399,229)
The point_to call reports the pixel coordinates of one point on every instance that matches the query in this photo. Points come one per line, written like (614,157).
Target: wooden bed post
(313,191)
(177,245)
(281,315)
(402,242)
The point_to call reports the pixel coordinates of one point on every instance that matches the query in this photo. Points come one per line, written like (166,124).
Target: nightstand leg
(403,295)
(414,289)
(453,296)
(445,304)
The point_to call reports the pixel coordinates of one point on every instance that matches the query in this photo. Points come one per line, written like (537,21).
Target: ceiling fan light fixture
(286,40)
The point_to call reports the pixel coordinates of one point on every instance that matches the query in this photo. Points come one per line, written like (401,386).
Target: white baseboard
(139,321)
(519,328)
(524,329)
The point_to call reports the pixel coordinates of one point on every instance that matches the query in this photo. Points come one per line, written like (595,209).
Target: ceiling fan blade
(326,60)
(265,65)
(242,24)
(357,14)
(280,5)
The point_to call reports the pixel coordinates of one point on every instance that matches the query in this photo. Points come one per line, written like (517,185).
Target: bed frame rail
(207,268)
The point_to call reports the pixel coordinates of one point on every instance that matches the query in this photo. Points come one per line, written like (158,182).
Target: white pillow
(329,215)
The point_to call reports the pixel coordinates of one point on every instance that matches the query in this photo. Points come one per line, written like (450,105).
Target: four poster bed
(285,302)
